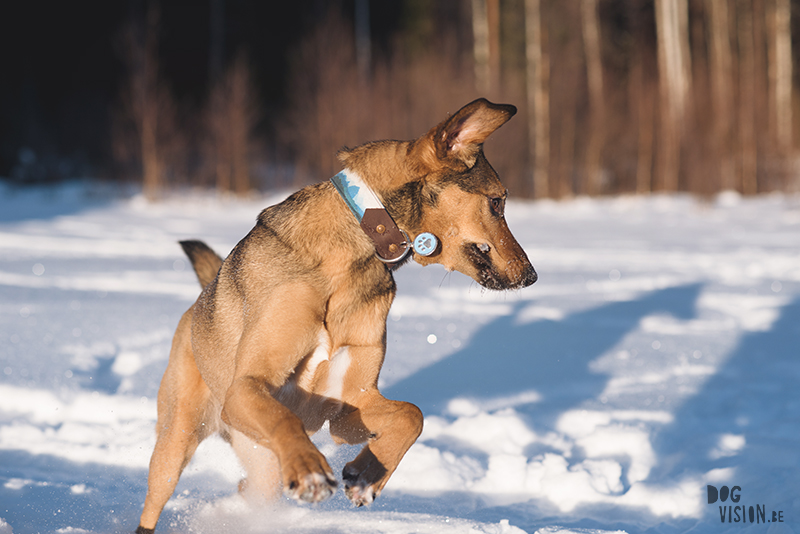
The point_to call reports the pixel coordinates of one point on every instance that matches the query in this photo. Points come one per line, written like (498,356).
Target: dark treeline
(614,96)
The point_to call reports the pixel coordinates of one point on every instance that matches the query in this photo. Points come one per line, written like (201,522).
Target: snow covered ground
(659,353)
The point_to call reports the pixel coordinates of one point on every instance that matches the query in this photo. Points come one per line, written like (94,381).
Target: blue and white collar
(357,195)
(391,243)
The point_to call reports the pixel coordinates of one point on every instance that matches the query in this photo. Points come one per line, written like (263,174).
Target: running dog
(289,330)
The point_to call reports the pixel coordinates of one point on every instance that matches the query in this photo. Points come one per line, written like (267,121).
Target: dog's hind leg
(263,482)
(183,402)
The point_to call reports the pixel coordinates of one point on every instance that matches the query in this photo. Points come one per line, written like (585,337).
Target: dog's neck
(391,244)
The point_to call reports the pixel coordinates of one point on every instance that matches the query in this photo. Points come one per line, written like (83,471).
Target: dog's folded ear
(459,138)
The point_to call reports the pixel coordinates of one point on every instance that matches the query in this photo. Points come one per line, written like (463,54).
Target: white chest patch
(336,373)
(321,353)
(338,363)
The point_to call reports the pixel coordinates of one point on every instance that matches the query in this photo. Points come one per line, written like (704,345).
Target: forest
(613,96)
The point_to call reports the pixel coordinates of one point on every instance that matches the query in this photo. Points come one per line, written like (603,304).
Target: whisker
(446,275)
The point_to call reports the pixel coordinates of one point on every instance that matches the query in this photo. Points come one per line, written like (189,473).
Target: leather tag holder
(390,243)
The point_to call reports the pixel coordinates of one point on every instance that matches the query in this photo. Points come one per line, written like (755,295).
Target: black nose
(530,277)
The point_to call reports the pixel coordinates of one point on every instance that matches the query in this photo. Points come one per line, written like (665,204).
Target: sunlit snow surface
(659,352)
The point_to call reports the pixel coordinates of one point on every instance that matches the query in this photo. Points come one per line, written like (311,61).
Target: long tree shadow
(507,358)
(744,421)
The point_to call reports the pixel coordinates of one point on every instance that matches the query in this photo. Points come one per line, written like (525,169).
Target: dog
(289,330)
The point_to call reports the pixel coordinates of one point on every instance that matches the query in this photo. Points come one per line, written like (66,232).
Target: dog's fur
(290,330)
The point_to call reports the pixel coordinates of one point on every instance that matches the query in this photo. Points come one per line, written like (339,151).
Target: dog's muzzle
(529,277)
(519,273)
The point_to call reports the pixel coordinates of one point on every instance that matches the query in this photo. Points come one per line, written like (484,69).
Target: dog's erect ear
(459,138)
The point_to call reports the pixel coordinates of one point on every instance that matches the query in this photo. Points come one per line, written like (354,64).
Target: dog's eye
(496,204)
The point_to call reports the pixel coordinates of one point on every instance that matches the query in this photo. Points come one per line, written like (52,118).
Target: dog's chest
(320,377)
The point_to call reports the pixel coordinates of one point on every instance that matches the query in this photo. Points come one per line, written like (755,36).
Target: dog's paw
(357,488)
(360,495)
(313,487)
(308,478)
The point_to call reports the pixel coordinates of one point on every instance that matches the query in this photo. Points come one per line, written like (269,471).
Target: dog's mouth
(488,276)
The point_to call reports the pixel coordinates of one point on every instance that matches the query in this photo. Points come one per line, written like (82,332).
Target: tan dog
(290,330)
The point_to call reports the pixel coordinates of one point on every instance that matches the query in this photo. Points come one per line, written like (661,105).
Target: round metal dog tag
(425,244)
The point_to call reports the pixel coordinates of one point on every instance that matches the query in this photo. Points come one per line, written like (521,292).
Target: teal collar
(391,243)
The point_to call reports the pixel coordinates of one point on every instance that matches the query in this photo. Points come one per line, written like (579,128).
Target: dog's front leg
(389,427)
(251,409)
(269,350)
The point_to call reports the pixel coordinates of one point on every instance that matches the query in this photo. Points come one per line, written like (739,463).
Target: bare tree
(148,105)
(643,102)
(781,75)
(641,99)
(493,20)
(480,33)
(486,45)
(747,96)
(594,73)
(761,84)
(538,99)
(420,79)
(233,113)
(722,85)
(673,37)
(726,123)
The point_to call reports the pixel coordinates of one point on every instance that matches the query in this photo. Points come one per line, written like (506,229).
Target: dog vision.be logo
(737,512)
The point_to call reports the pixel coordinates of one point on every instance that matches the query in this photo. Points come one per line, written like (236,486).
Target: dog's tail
(205,261)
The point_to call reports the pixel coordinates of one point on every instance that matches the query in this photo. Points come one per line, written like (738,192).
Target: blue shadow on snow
(506,358)
(754,396)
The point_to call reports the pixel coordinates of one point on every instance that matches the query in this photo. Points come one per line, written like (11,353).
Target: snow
(656,355)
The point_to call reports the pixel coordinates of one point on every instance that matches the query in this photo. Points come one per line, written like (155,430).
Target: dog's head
(442,183)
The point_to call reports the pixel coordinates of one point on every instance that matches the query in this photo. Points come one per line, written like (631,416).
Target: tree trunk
(493,22)
(672,34)
(480,35)
(594,75)
(781,70)
(538,99)
(644,100)
(232,114)
(721,89)
(747,76)
(241,121)
(761,82)
(148,120)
